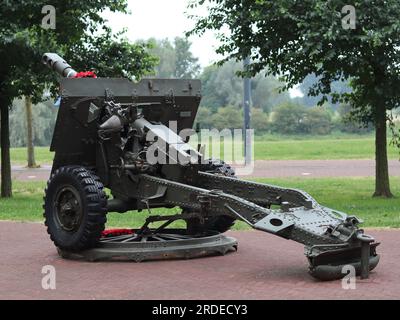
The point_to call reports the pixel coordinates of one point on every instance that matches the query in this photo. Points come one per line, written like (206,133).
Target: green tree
(228,118)
(204,118)
(221,86)
(346,123)
(44,115)
(29,135)
(225,87)
(298,38)
(165,52)
(186,66)
(288,118)
(209,98)
(310,101)
(259,120)
(176,59)
(266,92)
(231,118)
(318,121)
(76,37)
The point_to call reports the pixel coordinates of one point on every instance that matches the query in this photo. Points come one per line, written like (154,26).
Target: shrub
(259,120)
(204,118)
(288,118)
(228,118)
(347,124)
(318,121)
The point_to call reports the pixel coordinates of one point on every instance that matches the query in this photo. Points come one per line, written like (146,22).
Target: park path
(320,168)
(264,267)
(268,169)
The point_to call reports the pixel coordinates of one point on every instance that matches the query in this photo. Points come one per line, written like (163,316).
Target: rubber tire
(94,206)
(220,224)
(218,167)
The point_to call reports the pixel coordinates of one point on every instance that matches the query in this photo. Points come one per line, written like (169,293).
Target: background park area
(318,81)
(291,130)
(350,193)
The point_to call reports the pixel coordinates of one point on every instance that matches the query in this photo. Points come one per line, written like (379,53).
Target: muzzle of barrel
(59,65)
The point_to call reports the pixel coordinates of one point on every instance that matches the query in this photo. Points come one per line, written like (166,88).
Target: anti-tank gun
(116,134)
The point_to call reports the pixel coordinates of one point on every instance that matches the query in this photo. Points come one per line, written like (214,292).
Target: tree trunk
(29,126)
(6,190)
(382,185)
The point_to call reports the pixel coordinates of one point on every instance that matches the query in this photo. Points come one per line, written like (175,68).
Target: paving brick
(265,267)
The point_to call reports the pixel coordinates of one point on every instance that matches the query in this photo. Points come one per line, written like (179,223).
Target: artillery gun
(105,130)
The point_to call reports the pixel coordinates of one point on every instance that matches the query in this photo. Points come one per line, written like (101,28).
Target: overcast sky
(163,19)
(167,19)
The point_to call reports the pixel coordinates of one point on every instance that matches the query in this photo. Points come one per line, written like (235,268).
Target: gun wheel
(154,245)
(75,208)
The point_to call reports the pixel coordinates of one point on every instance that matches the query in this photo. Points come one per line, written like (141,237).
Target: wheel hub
(68,208)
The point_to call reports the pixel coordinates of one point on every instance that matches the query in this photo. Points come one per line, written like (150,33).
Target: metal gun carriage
(104,131)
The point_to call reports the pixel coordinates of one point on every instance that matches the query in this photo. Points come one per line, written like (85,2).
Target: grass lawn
(355,148)
(272,147)
(351,195)
(42,155)
(316,148)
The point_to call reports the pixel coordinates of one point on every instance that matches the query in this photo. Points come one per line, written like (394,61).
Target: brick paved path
(265,267)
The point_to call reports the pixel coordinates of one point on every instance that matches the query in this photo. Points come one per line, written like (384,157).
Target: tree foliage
(23,40)
(293,118)
(228,118)
(288,118)
(318,121)
(347,124)
(297,38)
(221,87)
(310,101)
(112,56)
(293,39)
(176,59)
(259,120)
(44,118)
(81,36)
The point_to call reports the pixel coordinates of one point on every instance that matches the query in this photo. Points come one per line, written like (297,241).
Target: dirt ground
(264,267)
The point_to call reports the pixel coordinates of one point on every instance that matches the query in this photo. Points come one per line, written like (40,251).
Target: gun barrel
(58,64)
